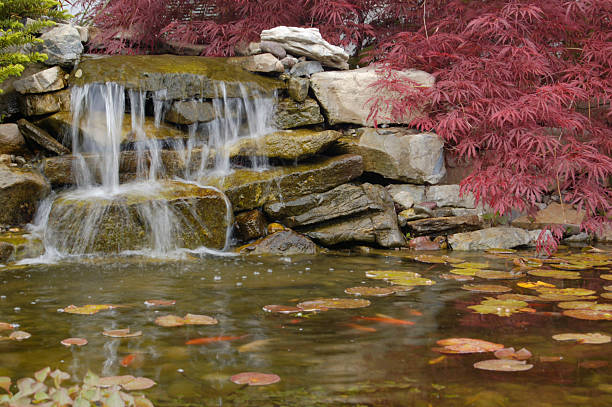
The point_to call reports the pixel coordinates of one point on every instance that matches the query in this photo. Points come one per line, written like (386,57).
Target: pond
(379,355)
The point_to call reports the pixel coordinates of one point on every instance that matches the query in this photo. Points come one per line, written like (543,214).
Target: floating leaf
(464,272)
(503,365)
(452,260)
(607,296)
(331,303)
(194,319)
(585,305)
(114,380)
(456,277)
(548,359)
(89,309)
(159,303)
(537,284)
(42,374)
(498,275)
(411,282)
(370,291)
(4,326)
(467,345)
(590,338)
(255,378)
(139,383)
(121,333)
(388,274)
(568,266)
(282,309)
(74,341)
(19,336)
(559,274)
(519,297)
(608,287)
(486,288)
(169,321)
(563,297)
(577,292)
(502,308)
(472,265)
(606,276)
(500,251)
(431,259)
(510,353)
(588,314)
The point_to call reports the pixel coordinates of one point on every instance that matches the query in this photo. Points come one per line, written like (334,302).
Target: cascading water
(159,210)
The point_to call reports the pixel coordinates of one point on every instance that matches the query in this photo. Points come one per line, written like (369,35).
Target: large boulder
(164,216)
(11,140)
(307,42)
(20,193)
(291,114)
(398,154)
(48,80)
(493,238)
(45,103)
(190,112)
(249,189)
(264,63)
(345,96)
(283,243)
(553,215)
(286,145)
(62,44)
(346,214)
(39,138)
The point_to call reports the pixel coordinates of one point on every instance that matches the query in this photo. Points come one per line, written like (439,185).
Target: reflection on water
(322,358)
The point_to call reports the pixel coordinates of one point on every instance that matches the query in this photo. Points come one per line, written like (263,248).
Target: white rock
(345,96)
(406,195)
(264,63)
(62,44)
(44,81)
(493,238)
(307,42)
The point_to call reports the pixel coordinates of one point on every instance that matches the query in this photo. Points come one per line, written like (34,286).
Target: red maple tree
(523,87)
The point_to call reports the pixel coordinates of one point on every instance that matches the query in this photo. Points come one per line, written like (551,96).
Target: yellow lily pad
(431,259)
(472,265)
(590,338)
(502,308)
(389,274)
(88,309)
(537,284)
(560,274)
(486,288)
(339,303)
(498,275)
(410,282)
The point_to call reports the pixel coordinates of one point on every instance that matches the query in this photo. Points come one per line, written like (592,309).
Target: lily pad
(486,288)
(590,338)
(568,266)
(431,259)
(370,291)
(456,277)
(74,342)
(562,297)
(503,365)
(559,274)
(19,336)
(335,303)
(579,292)
(194,319)
(606,276)
(389,274)
(585,305)
(607,296)
(464,272)
(111,381)
(282,309)
(255,378)
(608,287)
(160,303)
(121,333)
(535,285)
(510,353)
(500,251)
(472,265)
(589,314)
(519,297)
(88,309)
(502,308)
(139,383)
(467,345)
(412,281)
(168,321)
(498,275)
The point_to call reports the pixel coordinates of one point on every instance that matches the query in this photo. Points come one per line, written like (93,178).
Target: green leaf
(5,383)
(42,374)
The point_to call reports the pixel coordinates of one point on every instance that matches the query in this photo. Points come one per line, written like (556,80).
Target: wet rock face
(291,114)
(190,112)
(284,243)
(346,214)
(250,225)
(20,193)
(398,154)
(189,216)
(499,237)
(345,95)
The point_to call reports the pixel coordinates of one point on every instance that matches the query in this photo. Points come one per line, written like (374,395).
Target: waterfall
(127,196)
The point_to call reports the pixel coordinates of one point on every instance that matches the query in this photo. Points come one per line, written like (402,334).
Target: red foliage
(523,86)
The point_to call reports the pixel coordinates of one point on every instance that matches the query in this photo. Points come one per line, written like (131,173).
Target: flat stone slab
(40,138)
(492,238)
(553,215)
(48,80)
(284,243)
(443,225)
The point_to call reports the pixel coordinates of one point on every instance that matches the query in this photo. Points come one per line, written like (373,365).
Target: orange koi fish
(360,327)
(385,320)
(211,339)
(126,361)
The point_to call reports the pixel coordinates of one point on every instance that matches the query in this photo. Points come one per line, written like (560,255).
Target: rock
(62,44)
(194,217)
(286,145)
(22,246)
(190,111)
(285,243)
(406,195)
(9,97)
(289,62)
(44,81)
(345,96)
(605,235)
(291,114)
(411,214)
(447,211)
(493,238)
(250,225)
(273,48)
(249,189)
(306,68)
(83,32)
(183,77)
(425,243)
(554,215)
(264,63)
(298,88)
(45,103)
(346,214)
(40,138)
(6,251)
(20,192)
(449,195)
(309,43)
(398,154)
(182,48)
(443,226)
(11,140)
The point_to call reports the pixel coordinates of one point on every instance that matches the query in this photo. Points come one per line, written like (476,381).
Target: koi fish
(387,320)
(360,327)
(211,339)
(126,361)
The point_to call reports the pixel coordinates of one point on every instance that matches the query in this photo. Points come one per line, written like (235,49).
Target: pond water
(332,358)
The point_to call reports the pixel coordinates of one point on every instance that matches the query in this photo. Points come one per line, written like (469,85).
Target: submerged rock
(291,114)
(48,80)
(250,225)
(307,42)
(39,138)
(287,145)
(21,191)
(45,103)
(346,96)
(162,216)
(499,237)
(283,243)
(346,214)
(183,77)
(248,189)
(11,140)
(398,154)
(190,111)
